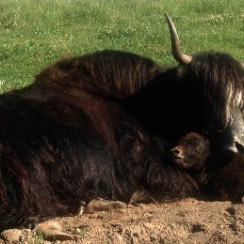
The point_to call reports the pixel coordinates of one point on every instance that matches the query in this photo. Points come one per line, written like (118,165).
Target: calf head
(191,152)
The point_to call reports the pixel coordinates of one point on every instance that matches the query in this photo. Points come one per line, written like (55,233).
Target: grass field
(35,33)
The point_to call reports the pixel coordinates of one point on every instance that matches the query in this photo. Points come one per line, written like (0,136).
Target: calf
(193,153)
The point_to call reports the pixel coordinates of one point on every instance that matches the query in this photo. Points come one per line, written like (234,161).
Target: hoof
(51,230)
(97,205)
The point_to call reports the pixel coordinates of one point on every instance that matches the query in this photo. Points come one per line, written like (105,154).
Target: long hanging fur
(221,77)
(96,126)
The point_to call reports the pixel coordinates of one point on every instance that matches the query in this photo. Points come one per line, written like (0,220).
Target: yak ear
(178,55)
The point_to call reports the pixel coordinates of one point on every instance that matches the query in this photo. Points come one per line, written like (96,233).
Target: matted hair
(222,78)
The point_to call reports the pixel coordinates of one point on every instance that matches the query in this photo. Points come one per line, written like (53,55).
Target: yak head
(219,81)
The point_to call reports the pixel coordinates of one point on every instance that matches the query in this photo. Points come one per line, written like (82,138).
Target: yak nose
(234,146)
(240,147)
(233,135)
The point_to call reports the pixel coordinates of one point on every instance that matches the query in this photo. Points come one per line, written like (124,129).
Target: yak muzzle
(232,138)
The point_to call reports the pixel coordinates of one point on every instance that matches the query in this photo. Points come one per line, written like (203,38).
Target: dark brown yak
(94,126)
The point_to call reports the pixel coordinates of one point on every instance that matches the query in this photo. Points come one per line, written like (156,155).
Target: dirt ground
(185,221)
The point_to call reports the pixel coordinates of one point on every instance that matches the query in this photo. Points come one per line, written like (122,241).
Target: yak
(193,153)
(101,126)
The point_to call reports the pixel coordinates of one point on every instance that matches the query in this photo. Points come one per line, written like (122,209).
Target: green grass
(35,33)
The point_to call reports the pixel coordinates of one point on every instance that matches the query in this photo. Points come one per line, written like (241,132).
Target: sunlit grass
(35,33)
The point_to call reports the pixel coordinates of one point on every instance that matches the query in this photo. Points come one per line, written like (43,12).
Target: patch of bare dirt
(188,221)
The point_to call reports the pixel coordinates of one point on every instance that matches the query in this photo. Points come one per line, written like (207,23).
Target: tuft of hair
(222,79)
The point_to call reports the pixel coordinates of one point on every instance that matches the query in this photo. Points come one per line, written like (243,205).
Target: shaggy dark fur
(56,152)
(221,78)
(226,184)
(96,126)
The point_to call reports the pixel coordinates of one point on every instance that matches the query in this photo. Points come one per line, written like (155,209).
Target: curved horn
(175,44)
